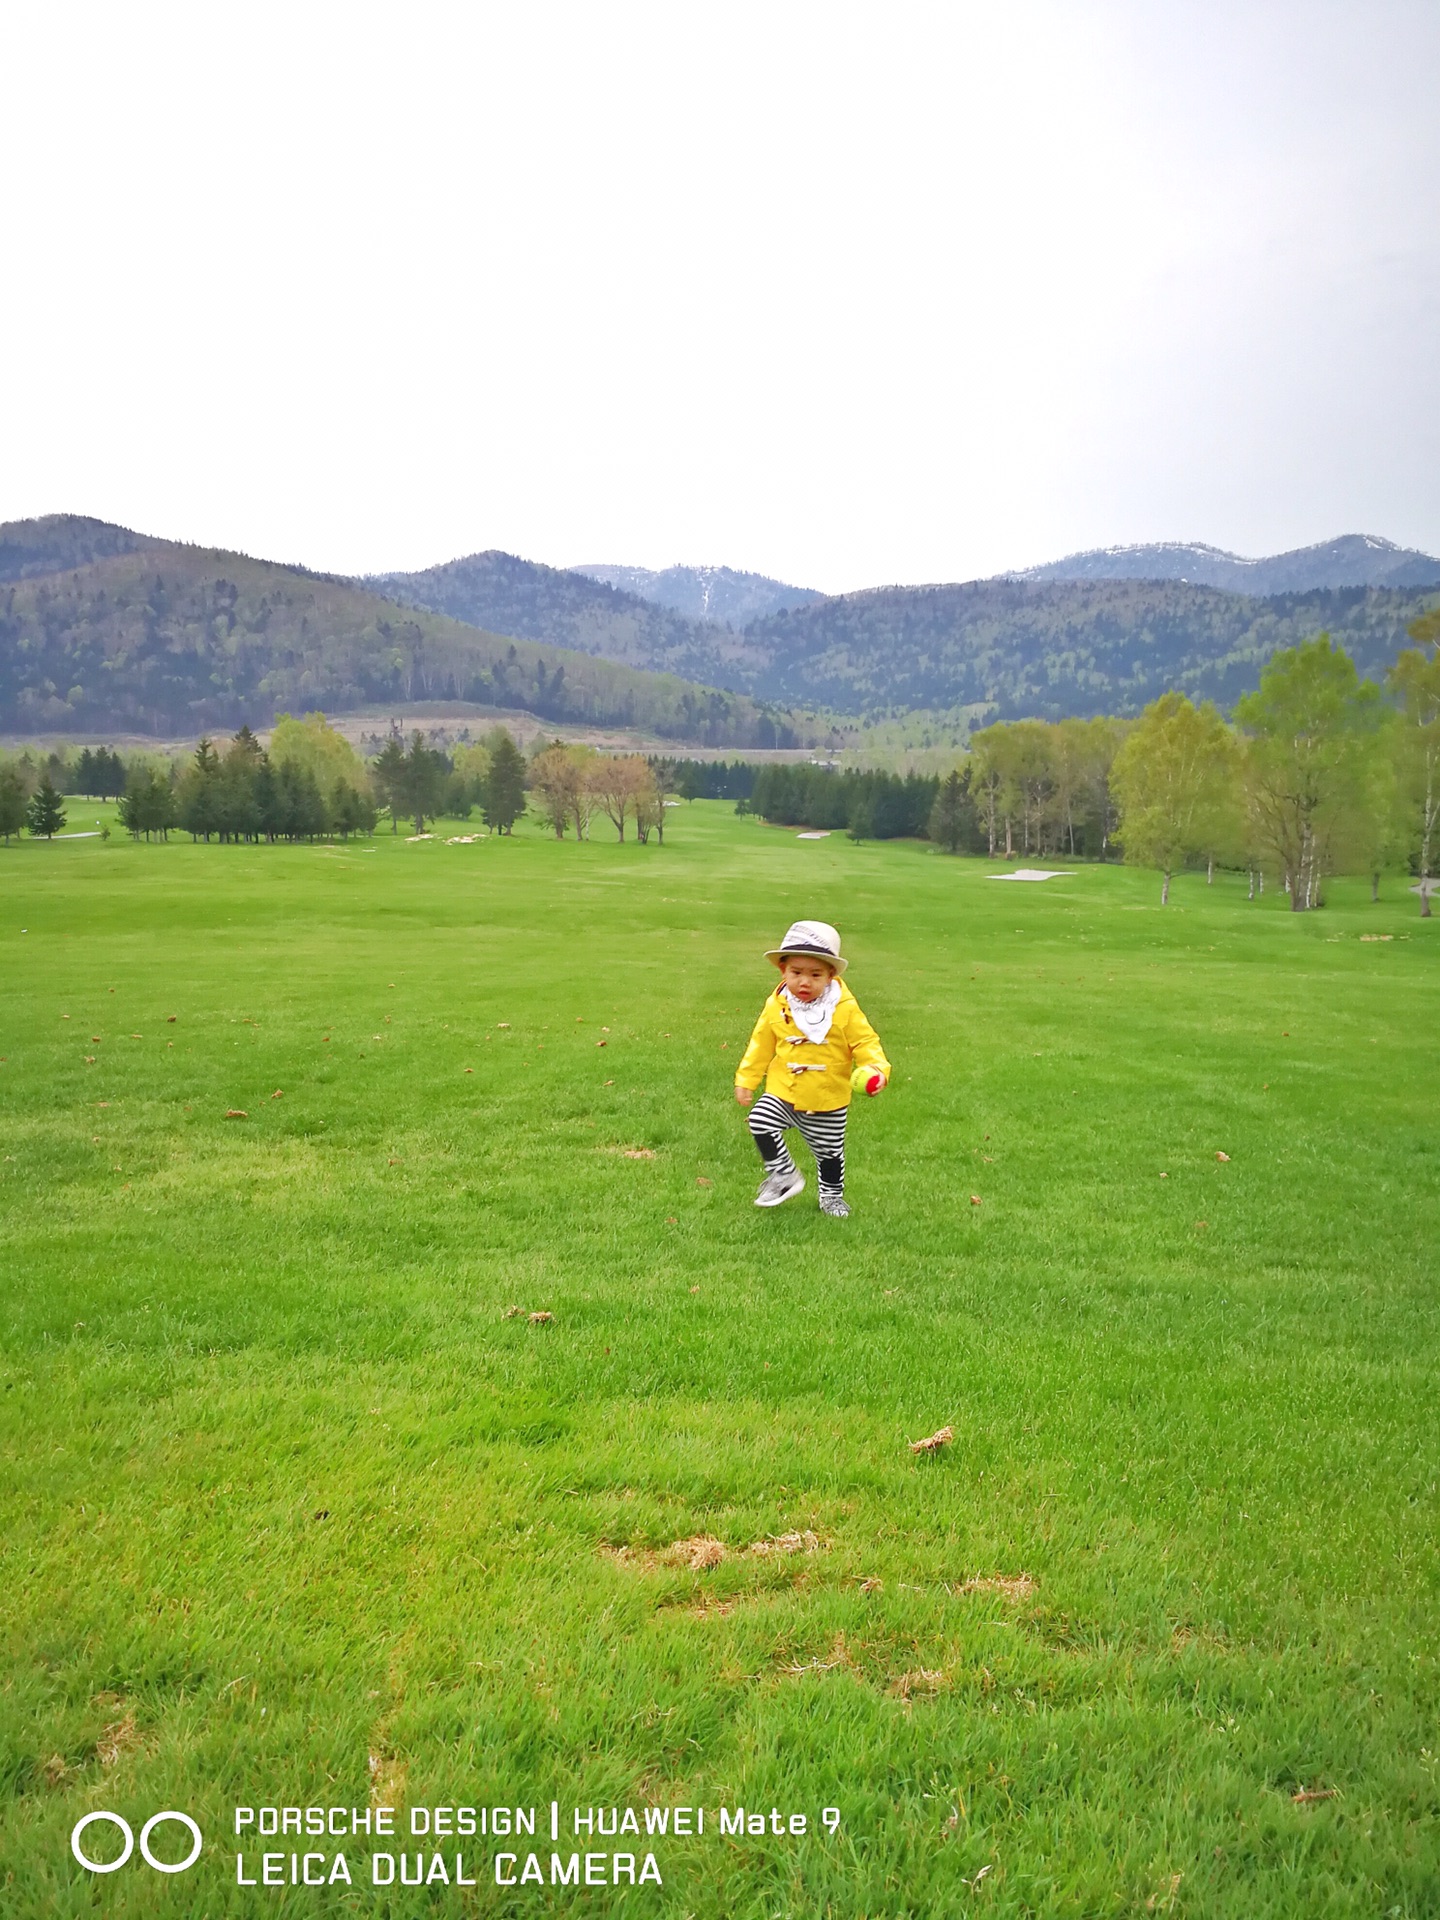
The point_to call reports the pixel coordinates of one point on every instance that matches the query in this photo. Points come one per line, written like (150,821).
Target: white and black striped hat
(814,937)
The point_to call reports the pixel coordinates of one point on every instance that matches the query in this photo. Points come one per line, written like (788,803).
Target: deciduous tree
(616,780)
(557,778)
(314,744)
(1173,780)
(1310,728)
(1416,678)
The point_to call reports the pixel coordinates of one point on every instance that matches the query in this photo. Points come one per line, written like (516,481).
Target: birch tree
(1173,783)
(1311,727)
(1416,678)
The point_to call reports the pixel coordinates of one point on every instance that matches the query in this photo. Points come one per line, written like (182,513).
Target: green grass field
(297,1514)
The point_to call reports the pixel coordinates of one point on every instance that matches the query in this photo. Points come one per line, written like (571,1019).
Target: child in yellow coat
(810,1046)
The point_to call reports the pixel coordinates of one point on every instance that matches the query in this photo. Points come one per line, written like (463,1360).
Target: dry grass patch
(1009,1586)
(919,1682)
(701,1551)
(698,1553)
(839,1658)
(120,1737)
(806,1542)
(387,1780)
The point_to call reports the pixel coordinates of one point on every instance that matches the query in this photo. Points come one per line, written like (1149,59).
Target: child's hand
(744,1095)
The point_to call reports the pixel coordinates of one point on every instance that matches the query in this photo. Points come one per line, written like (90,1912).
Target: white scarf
(813,1017)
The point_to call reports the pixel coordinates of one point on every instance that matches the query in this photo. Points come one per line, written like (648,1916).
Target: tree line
(867,803)
(310,783)
(1318,773)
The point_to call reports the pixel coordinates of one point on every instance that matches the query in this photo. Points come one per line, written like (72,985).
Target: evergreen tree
(267,801)
(85,778)
(862,818)
(237,806)
(246,747)
(45,815)
(950,815)
(109,774)
(423,781)
(351,811)
(148,803)
(387,776)
(312,816)
(504,799)
(196,802)
(12,802)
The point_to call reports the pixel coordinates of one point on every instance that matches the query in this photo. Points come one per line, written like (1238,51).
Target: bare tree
(617,781)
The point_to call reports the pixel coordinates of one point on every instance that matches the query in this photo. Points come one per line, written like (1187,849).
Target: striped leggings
(824,1135)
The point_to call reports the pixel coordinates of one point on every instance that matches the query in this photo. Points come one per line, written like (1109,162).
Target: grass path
(294,1512)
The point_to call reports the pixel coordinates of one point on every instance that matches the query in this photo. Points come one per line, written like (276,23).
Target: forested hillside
(1013,647)
(1051,649)
(168,638)
(707,593)
(509,595)
(59,541)
(103,628)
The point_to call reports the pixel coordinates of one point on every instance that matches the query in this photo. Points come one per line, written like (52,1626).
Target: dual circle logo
(128,1836)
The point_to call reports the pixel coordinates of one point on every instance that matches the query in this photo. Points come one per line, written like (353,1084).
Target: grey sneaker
(776,1188)
(836,1205)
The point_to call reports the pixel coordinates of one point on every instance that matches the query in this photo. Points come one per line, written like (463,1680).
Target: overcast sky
(842,293)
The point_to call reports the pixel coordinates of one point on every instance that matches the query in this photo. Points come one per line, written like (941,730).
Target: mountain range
(1068,638)
(706,593)
(104,628)
(1354,560)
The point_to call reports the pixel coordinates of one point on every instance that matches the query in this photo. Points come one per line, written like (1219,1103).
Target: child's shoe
(776,1188)
(836,1205)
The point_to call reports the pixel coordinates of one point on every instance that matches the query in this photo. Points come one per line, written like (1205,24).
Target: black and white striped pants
(824,1135)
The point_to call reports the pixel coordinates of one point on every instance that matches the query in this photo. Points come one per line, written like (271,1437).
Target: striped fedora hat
(813,937)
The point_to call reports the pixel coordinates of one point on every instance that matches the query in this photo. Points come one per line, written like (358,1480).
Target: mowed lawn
(297,1511)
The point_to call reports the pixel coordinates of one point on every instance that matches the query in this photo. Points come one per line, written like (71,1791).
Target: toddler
(811,1044)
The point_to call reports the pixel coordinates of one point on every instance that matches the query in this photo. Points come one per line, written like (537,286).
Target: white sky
(845,293)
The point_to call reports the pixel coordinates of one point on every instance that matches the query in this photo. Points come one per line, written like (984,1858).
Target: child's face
(807,979)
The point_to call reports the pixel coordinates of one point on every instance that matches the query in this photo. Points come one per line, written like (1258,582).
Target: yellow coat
(777,1045)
